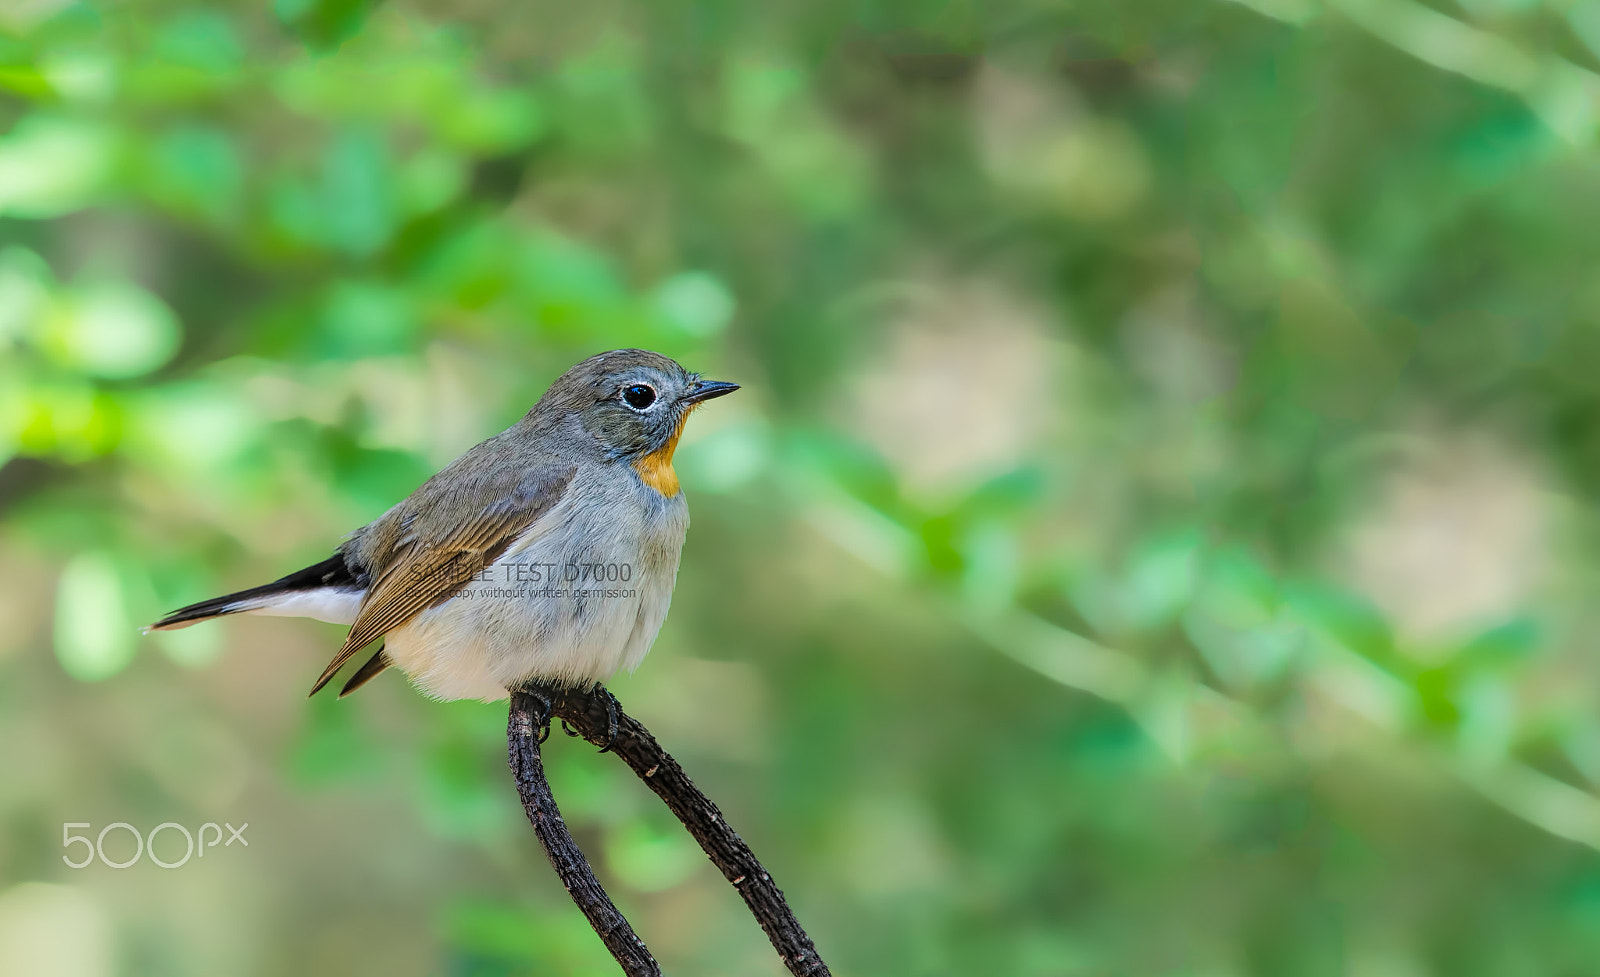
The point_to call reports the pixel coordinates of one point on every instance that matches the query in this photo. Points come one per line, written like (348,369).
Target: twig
(529,723)
(596,715)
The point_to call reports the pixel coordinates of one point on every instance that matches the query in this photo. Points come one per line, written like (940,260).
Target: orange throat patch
(655,468)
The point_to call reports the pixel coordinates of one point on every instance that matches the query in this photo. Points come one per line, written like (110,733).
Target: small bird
(546,553)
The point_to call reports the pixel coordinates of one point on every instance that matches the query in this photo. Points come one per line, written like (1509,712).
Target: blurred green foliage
(1153,537)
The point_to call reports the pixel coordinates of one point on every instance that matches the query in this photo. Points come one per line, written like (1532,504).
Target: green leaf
(94,637)
(113,329)
(51,165)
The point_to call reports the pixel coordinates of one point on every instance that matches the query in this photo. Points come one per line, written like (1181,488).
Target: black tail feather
(332,572)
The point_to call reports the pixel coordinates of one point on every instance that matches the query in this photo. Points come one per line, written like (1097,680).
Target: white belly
(573,601)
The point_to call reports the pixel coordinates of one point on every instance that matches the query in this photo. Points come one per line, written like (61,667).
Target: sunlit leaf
(114,329)
(52,165)
(94,637)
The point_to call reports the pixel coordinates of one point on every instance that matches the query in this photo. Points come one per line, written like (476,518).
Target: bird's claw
(541,719)
(612,708)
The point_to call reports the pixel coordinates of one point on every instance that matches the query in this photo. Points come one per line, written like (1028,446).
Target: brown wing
(424,549)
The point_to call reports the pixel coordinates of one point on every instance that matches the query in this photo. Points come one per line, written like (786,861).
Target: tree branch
(596,715)
(528,724)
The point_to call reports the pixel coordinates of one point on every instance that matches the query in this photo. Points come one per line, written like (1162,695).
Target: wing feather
(432,555)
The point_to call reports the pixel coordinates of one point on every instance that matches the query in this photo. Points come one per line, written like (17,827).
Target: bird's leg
(546,707)
(579,704)
(612,708)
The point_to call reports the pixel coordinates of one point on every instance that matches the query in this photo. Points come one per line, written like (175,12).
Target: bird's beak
(704,390)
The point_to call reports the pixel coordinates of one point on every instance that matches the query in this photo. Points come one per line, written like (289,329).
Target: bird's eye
(639,396)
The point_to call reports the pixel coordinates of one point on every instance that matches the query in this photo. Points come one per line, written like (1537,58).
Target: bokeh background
(1156,536)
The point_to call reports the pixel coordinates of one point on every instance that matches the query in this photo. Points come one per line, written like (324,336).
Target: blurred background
(1155,536)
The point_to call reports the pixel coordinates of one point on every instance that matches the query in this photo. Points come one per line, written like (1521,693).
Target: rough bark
(528,724)
(595,715)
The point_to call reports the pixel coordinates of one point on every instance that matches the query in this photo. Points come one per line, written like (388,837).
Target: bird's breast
(576,598)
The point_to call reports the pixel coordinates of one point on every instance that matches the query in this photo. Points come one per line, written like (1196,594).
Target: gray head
(632,401)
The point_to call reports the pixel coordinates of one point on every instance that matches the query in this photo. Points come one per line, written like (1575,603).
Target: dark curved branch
(595,715)
(529,723)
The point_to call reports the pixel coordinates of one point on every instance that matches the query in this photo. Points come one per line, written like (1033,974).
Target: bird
(546,553)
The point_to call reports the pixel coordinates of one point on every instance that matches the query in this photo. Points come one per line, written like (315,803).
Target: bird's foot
(613,707)
(542,711)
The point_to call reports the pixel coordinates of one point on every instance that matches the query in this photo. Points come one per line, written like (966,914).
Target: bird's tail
(332,576)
